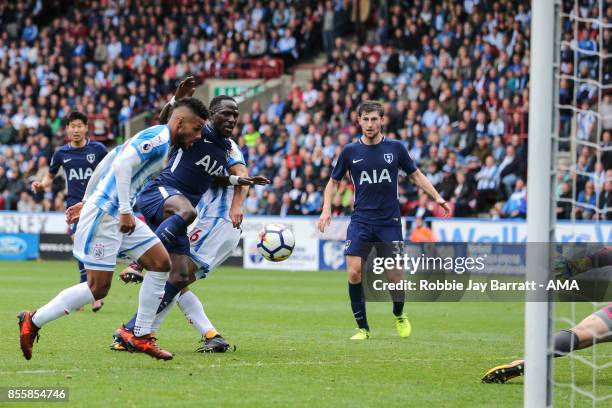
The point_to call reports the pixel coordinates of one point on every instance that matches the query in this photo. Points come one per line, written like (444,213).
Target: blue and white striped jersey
(216,201)
(144,155)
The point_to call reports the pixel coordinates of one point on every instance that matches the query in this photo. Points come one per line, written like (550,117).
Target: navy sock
(130,325)
(398,308)
(170,291)
(171,229)
(82,271)
(358,305)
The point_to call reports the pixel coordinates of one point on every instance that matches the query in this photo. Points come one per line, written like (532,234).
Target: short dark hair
(76,115)
(195,105)
(370,106)
(215,103)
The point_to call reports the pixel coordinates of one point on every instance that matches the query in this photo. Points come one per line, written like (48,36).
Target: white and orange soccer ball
(275,242)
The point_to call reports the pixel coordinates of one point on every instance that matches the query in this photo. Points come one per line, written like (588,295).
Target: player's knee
(180,278)
(159,264)
(99,289)
(354,275)
(189,214)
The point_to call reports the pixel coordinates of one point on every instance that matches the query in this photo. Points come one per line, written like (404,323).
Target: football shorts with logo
(98,241)
(362,237)
(212,241)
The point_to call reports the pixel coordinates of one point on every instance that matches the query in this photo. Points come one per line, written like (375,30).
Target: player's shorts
(212,241)
(72,228)
(605,314)
(361,237)
(98,241)
(151,203)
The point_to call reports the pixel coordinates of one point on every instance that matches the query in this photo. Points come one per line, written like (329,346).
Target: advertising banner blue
(331,256)
(18,247)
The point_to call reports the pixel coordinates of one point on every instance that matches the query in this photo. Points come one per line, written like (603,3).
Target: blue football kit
(374,170)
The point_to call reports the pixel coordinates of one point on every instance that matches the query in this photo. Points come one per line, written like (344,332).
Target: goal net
(582,167)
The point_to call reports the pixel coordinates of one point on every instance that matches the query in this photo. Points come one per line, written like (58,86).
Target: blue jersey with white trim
(79,164)
(151,146)
(193,171)
(216,201)
(374,170)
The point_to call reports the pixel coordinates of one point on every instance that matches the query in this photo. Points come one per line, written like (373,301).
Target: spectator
(464,197)
(516,206)
(487,184)
(311,201)
(421,232)
(586,202)
(273,207)
(509,170)
(605,202)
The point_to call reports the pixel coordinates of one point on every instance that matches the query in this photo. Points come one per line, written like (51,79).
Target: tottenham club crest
(98,251)
(91,158)
(388,157)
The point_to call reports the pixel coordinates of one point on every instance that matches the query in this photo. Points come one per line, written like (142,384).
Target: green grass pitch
(291,330)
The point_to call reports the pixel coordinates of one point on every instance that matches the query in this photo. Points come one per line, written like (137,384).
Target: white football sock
(149,299)
(66,301)
(194,312)
(161,316)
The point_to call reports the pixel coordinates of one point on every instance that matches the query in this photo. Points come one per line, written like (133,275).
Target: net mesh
(583,169)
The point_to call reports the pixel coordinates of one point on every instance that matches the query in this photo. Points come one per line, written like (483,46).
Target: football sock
(398,308)
(170,292)
(161,316)
(566,341)
(358,305)
(82,272)
(66,301)
(171,229)
(149,299)
(189,303)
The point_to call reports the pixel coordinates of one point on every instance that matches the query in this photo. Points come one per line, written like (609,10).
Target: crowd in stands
(112,59)
(454,81)
(453,77)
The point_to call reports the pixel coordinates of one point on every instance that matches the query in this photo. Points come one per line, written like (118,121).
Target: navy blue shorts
(361,237)
(151,203)
(72,228)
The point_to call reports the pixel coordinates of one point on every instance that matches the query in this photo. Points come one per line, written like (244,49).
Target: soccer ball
(275,242)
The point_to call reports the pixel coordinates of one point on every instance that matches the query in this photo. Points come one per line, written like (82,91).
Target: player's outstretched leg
(157,262)
(355,289)
(595,328)
(66,301)
(212,341)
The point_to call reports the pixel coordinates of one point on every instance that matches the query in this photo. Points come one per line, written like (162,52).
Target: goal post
(540,214)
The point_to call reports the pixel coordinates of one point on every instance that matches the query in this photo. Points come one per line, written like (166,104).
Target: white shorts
(98,241)
(212,241)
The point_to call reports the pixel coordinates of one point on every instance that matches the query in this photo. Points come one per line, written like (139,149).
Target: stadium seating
(453,78)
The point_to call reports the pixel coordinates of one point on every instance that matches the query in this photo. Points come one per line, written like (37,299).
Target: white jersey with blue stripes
(216,201)
(144,154)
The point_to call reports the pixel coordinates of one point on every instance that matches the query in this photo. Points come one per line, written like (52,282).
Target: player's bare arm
(47,181)
(422,182)
(240,192)
(330,191)
(185,89)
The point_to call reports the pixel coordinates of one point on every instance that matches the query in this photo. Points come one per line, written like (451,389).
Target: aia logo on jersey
(374,177)
(79,174)
(210,166)
(91,158)
(388,157)
(98,251)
